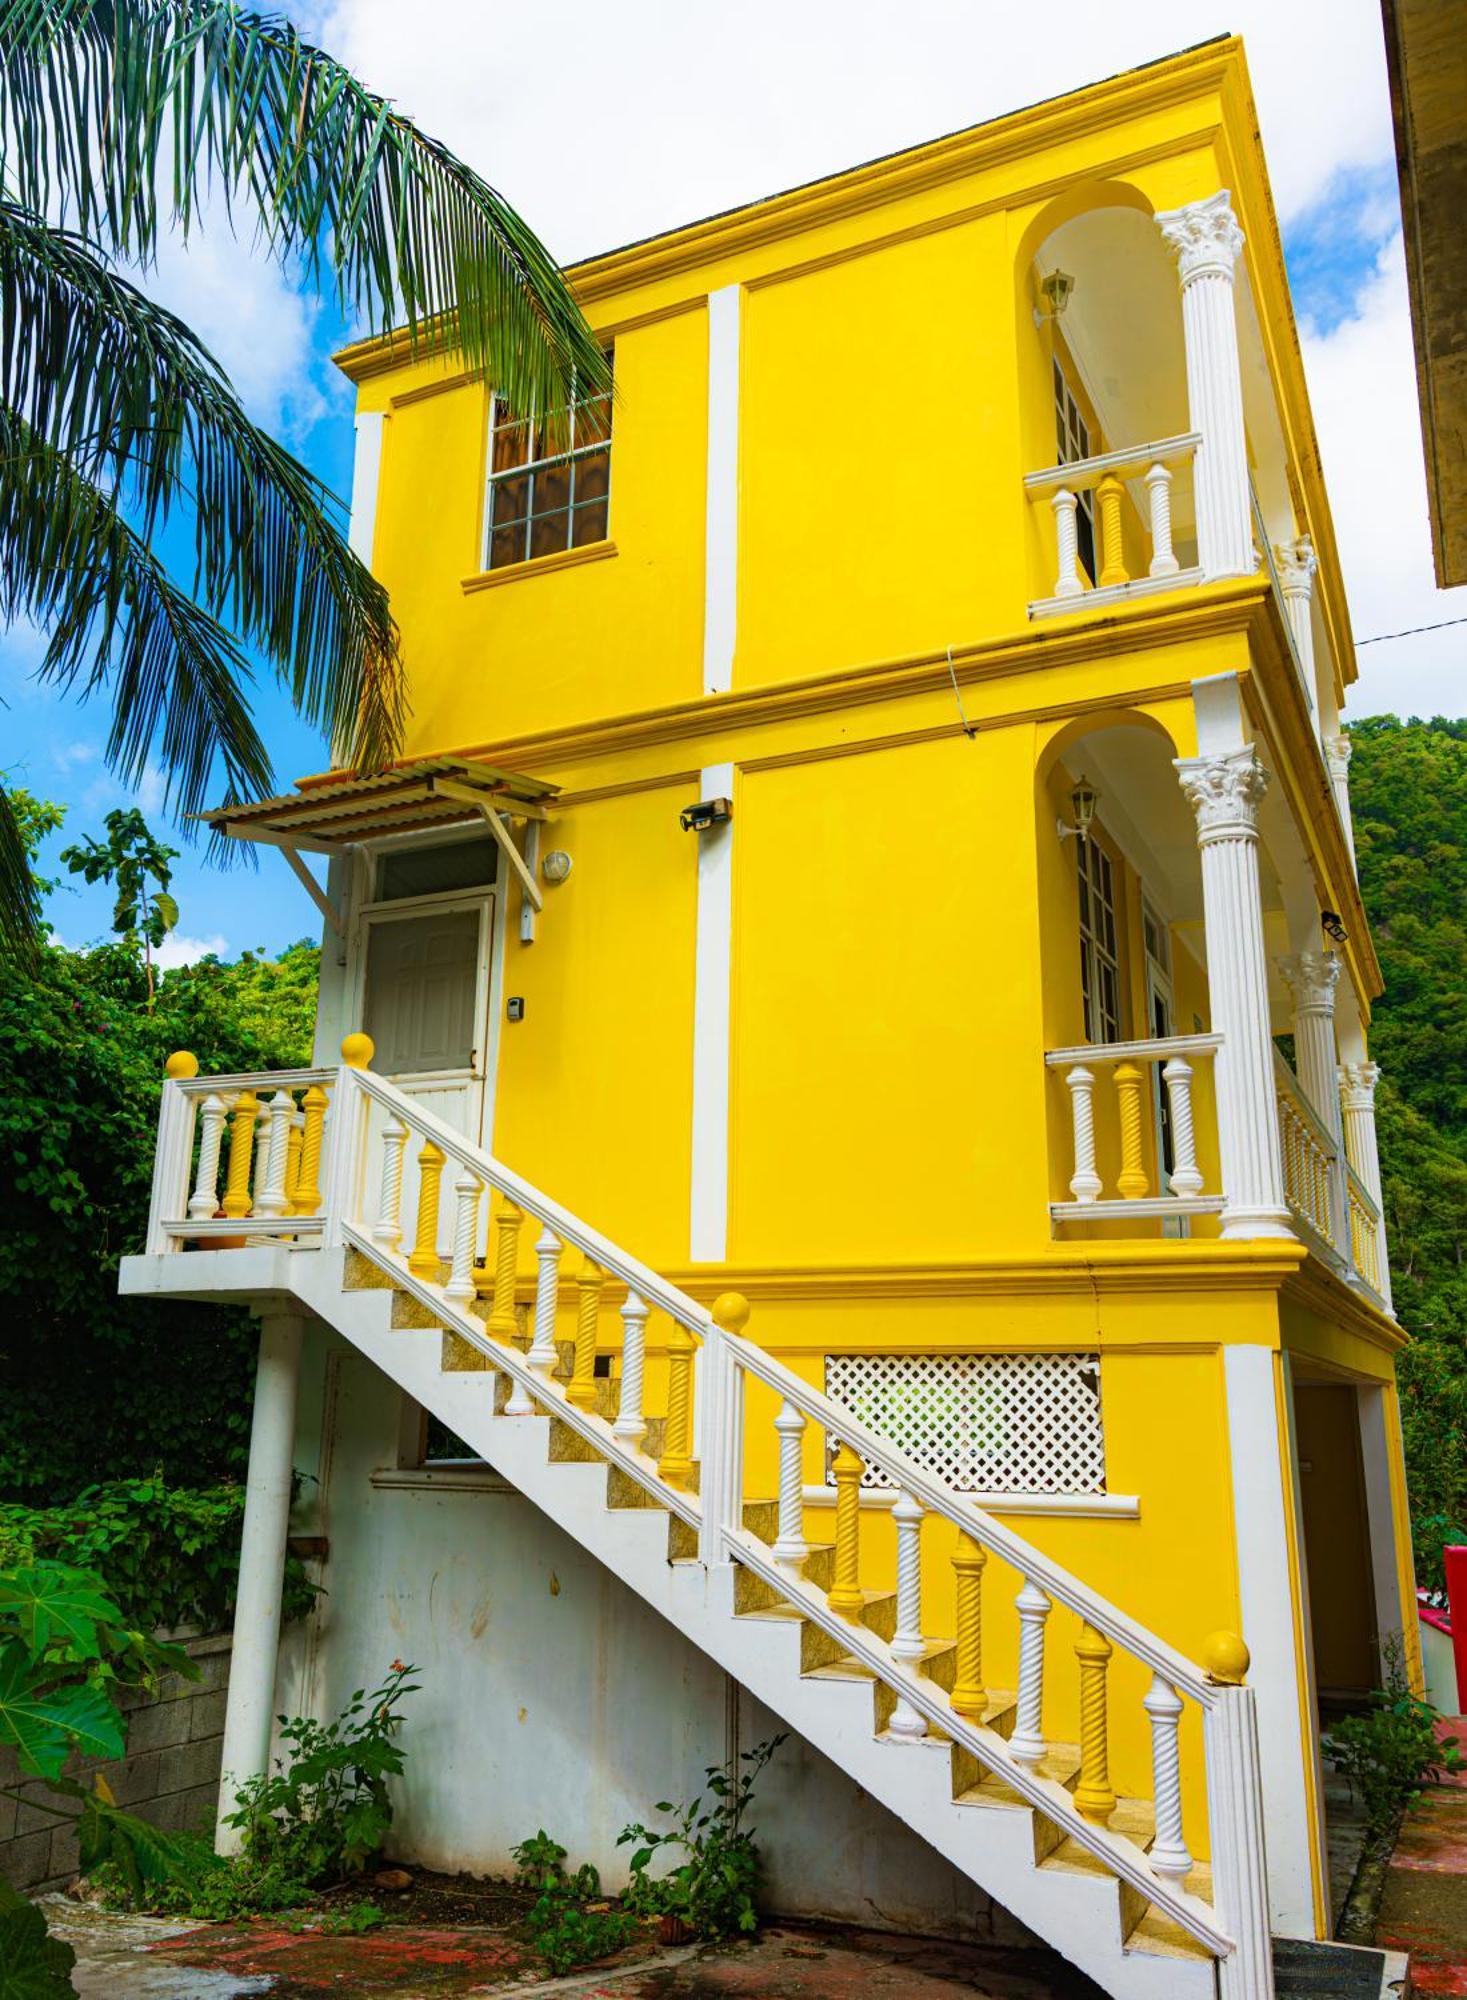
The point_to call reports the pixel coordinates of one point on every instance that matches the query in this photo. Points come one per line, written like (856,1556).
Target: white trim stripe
(366,475)
(721,552)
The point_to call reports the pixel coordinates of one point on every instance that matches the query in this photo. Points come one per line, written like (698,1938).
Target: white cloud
(180,950)
(1362,384)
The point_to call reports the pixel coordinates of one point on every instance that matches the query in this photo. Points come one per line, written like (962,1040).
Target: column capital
(1297,564)
(1224,792)
(1357,1085)
(1338,749)
(1204,237)
(1311,976)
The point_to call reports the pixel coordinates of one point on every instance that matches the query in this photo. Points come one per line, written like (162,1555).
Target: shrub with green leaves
(714,1888)
(1393,1751)
(564,1930)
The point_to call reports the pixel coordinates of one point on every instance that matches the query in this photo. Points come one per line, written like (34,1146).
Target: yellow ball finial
(357,1051)
(730,1310)
(181,1065)
(1225,1658)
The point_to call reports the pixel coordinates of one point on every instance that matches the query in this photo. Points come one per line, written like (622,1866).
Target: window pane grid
(1100,978)
(542,501)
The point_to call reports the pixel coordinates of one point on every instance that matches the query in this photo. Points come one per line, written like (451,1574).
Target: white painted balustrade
(690,1459)
(1127,1072)
(1311,1162)
(1149,472)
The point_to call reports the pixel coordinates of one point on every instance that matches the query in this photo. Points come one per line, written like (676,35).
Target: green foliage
(65,1653)
(1391,1752)
(566,1927)
(139,868)
(93,1386)
(353,1921)
(33,1964)
(715,1887)
(1408,783)
(168,1556)
(325,1809)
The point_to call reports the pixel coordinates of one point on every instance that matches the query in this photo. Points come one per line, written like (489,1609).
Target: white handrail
(1082,472)
(1114,1052)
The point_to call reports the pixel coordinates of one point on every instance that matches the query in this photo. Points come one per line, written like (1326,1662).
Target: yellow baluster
(1109,493)
(581,1388)
(308,1176)
(503,1322)
(1132,1182)
(969,1696)
(425,1261)
(676,1462)
(845,1594)
(1094,1797)
(241,1154)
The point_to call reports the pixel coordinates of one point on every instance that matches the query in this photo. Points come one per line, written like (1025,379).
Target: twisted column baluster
(544,1357)
(460,1286)
(969,1696)
(1169,1853)
(1027,1742)
(1094,1797)
(241,1154)
(581,1388)
(1159,490)
(631,1424)
(205,1198)
(1085,1182)
(1132,1182)
(790,1545)
(387,1229)
(273,1199)
(907,1643)
(1186,1179)
(313,1133)
(845,1594)
(425,1261)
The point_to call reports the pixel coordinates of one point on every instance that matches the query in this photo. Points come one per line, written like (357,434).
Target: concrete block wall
(170,1774)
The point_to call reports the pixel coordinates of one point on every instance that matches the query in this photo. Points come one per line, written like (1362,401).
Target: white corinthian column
(1205,239)
(1311,977)
(1297,563)
(1337,762)
(1224,792)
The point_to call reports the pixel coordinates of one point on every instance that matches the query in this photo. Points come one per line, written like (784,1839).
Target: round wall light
(556,865)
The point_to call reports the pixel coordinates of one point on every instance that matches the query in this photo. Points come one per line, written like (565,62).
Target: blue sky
(796,94)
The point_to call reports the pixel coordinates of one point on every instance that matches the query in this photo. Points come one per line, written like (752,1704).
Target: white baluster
(204,1201)
(1185,1177)
(1067,582)
(544,1356)
(1159,487)
(907,1642)
(1085,1182)
(262,1158)
(272,1198)
(1169,1854)
(1027,1742)
(387,1229)
(460,1286)
(631,1425)
(790,1545)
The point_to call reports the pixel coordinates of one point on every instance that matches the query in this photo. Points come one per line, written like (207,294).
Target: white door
(425,1003)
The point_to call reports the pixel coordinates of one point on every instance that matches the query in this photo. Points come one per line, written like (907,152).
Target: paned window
(1100,974)
(548,492)
(984,1423)
(1072,438)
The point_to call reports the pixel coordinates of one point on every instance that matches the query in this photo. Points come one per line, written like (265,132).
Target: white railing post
(460,1286)
(544,1355)
(272,1199)
(343,1194)
(1186,1179)
(1159,491)
(631,1425)
(1169,1853)
(790,1546)
(907,1643)
(1085,1182)
(1235,1824)
(387,1229)
(721,1427)
(1067,582)
(204,1201)
(1027,1742)
(171,1154)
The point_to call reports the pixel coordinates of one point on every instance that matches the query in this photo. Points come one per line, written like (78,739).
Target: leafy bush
(714,1890)
(1392,1752)
(168,1556)
(565,1931)
(65,1653)
(325,1812)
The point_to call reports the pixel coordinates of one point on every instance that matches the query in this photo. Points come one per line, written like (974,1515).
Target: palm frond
(19,912)
(124,115)
(134,400)
(117,622)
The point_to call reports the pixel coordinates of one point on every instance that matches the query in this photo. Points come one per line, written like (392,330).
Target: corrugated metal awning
(324,814)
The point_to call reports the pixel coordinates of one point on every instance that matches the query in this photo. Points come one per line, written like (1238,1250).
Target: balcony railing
(1106,475)
(1311,1161)
(1128,1067)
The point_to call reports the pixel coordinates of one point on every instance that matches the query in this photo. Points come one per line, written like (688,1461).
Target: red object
(1455,1558)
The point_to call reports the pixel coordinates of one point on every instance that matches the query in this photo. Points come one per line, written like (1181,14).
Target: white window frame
(1074,444)
(531,466)
(1093,952)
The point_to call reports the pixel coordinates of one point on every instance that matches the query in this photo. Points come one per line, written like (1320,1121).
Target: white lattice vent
(985,1423)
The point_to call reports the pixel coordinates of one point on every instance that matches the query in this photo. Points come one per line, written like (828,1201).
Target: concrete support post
(1205,239)
(1224,792)
(251,1703)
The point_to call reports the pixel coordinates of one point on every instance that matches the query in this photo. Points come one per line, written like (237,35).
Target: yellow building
(873,839)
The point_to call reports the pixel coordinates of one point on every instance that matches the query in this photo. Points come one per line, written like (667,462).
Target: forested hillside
(1408,784)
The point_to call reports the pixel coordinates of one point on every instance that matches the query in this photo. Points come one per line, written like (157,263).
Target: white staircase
(1107,1881)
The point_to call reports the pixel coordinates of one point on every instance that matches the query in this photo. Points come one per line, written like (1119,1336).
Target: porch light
(1055,290)
(1083,801)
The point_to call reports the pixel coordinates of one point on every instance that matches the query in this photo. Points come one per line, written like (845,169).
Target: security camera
(707,812)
